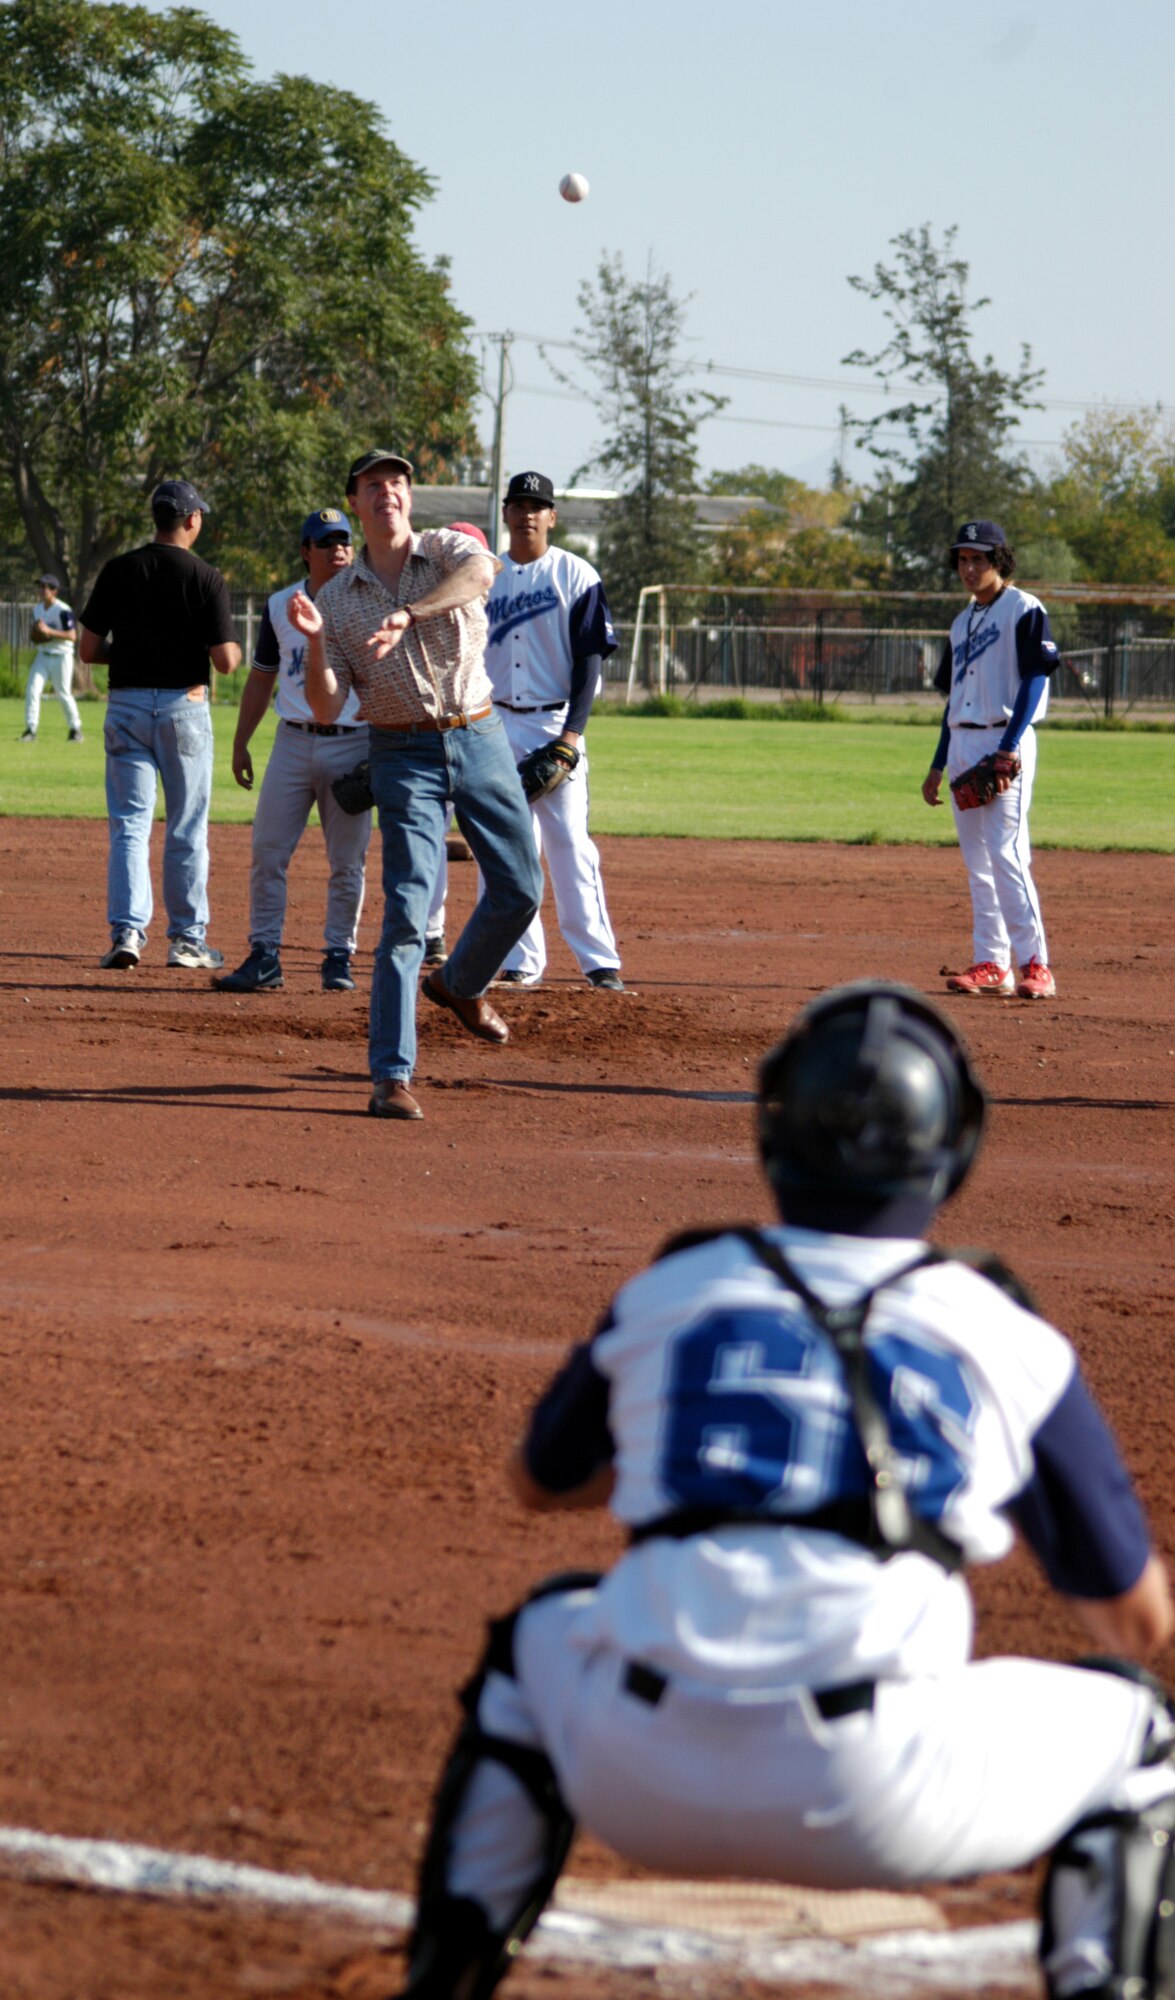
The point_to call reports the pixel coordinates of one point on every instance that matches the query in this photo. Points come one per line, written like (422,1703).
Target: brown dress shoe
(390,1099)
(476,1015)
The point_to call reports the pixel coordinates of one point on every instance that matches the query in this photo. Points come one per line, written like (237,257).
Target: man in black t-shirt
(160,616)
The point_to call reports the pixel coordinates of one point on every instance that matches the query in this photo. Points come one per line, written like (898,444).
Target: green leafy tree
(630,342)
(945,453)
(800,539)
(1110,504)
(203,274)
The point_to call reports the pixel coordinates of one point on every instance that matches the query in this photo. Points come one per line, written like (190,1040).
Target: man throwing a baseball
(807,1430)
(405,627)
(306,758)
(550,632)
(995,673)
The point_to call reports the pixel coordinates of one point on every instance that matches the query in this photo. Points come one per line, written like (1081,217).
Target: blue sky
(760,153)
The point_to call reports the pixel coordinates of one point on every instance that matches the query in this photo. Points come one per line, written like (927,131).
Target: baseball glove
(353,790)
(983,782)
(542,770)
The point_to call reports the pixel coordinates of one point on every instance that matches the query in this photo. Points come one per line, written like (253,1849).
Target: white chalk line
(900,1963)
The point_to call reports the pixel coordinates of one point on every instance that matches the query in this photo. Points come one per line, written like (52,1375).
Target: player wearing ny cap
(808,1430)
(995,672)
(550,632)
(306,758)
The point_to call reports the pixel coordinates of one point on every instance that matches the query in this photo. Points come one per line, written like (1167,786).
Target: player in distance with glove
(995,672)
(550,631)
(807,1431)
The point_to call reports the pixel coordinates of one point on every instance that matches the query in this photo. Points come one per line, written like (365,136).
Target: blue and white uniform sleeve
(568,1438)
(1036,659)
(1036,651)
(591,624)
(68,621)
(592,639)
(267,652)
(1079,1512)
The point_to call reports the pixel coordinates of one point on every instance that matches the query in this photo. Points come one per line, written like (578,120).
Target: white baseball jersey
(545,616)
(281,650)
(710,1389)
(993,649)
(59,617)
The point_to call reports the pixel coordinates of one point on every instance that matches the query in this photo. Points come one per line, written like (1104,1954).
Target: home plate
(741,1909)
(893,1947)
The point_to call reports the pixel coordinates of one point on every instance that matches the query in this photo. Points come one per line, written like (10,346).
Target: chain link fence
(1117,652)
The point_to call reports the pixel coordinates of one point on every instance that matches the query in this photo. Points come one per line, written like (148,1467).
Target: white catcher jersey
(714,1392)
(543,616)
(993,648)
(281,650)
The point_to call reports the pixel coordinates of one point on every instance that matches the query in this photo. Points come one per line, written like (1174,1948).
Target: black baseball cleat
(260,973)
(607,978)
(336,972)
(435,949)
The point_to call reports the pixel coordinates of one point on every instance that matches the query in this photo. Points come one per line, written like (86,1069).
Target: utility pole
(498,464)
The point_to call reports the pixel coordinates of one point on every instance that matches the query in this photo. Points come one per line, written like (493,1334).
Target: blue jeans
(158,733)
(414,774)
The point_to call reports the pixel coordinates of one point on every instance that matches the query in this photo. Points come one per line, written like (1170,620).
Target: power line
(852,386)
(720,417)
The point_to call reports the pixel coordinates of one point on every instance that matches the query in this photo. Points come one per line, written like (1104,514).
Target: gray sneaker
(194,957)
(126,949)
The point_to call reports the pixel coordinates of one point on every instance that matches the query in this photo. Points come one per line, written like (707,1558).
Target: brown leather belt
(434,723)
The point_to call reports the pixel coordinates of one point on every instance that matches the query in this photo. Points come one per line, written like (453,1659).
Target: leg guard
(455,1954)
(1108,1908)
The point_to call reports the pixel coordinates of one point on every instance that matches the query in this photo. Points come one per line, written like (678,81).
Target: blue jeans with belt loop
(414,775)
(151,734)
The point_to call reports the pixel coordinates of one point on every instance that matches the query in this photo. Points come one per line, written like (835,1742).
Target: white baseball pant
(298,776)
(995,845)
(55,665)
(983,1767)
(560,823)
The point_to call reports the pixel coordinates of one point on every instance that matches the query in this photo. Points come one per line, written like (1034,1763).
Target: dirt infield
(263,1358)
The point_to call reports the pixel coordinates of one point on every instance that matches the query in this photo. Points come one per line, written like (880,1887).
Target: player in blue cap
(306,758)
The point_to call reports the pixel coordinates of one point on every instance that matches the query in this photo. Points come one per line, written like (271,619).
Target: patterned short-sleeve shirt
(438,667)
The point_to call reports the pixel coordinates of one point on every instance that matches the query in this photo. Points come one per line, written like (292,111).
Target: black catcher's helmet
(870,1096)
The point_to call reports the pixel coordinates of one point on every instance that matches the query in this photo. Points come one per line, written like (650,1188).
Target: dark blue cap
(985,535)
(531,486)
(327,522)
(178,497)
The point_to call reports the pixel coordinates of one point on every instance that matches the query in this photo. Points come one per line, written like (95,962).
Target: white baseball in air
(573,187)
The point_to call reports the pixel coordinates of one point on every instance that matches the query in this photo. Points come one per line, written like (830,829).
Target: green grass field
(856,782)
